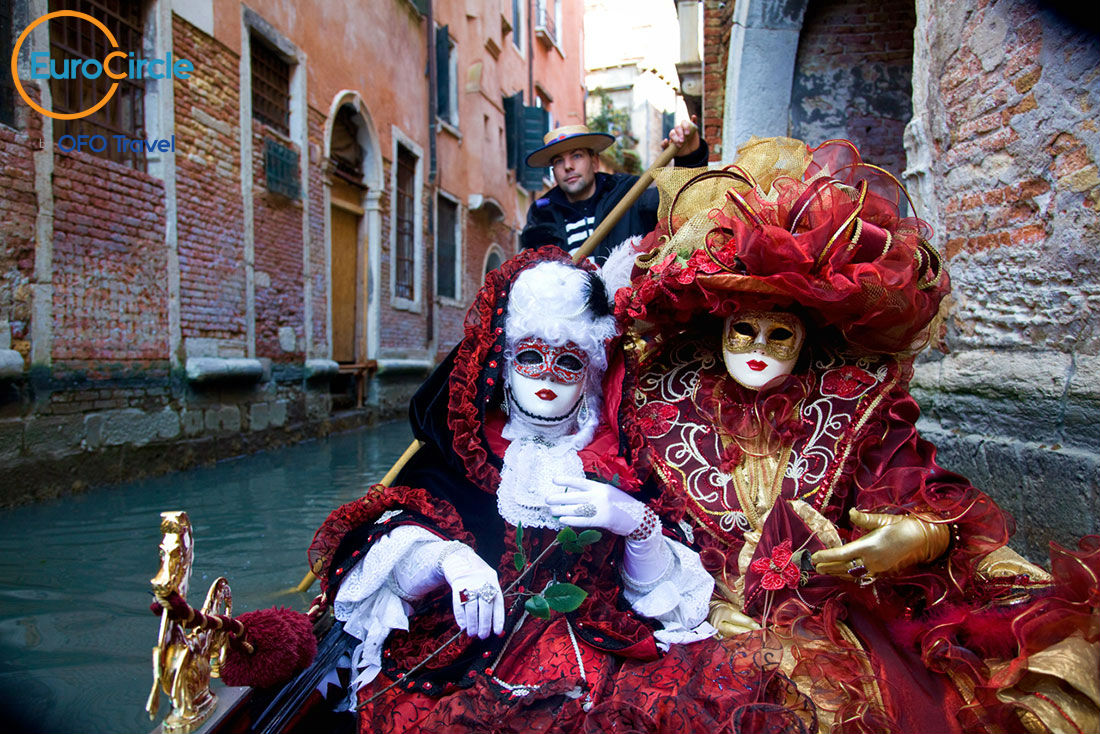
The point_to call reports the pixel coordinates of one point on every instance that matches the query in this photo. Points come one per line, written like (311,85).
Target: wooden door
(345,291)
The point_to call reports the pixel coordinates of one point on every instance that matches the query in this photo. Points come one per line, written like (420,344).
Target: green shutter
(421,6)
(443,73)
(536,123)
(513,130)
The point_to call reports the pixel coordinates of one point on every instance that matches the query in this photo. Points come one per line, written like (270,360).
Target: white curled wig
(562,303)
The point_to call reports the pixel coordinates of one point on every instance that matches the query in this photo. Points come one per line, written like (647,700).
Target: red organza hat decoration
(830,239)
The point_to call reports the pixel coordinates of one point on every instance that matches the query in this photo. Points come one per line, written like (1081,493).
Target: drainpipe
(433,123)
(530,52)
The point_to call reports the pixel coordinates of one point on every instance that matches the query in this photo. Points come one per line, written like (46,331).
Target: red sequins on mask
(536,359)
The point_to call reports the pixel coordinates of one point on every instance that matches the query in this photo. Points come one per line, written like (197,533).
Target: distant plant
(621,156)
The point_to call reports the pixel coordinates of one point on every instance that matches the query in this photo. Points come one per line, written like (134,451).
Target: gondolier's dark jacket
(547,216)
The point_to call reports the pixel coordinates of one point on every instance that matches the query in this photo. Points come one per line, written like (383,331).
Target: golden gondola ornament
(184,660)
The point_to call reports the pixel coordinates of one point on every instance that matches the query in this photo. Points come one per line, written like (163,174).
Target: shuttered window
(405,208)
(446,249)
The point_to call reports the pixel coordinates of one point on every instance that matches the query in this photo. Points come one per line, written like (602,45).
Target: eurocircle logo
(43,67)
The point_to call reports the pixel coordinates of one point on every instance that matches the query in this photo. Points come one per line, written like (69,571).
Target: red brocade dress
(940,647)
(596,669)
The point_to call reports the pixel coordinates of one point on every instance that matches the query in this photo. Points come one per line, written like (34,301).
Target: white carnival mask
(547,382)
(759,346)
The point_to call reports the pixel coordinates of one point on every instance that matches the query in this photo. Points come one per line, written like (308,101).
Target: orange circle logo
(15,65)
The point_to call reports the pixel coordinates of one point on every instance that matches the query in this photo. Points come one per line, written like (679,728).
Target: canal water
(76,633)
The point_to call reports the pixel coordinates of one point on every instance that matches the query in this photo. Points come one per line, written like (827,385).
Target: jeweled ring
(486,592)
(856,568)
(586,510)
(866,580)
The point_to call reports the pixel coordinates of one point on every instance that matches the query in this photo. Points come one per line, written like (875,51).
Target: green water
(76,633)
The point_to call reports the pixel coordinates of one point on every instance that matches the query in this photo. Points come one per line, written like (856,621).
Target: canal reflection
(76,633)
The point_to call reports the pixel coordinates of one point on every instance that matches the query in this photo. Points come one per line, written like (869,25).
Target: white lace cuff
(367,603)
(678,598)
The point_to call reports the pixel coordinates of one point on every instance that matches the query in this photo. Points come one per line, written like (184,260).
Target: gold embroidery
(758,481)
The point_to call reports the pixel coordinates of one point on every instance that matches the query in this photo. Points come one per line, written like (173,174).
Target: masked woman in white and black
(517,447)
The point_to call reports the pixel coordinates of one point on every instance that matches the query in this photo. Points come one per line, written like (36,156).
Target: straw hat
(568,138)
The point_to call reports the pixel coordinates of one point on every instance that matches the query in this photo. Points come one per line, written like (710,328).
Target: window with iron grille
(270,86)
(404,252)
(73,38)
(446,249)
(281,169)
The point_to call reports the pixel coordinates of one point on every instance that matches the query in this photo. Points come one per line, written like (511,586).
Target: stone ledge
(405,366)
(11,363)
(202,370)
(317,369)
(1016,374)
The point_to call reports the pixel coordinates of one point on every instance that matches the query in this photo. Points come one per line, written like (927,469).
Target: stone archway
(763,45)
(853,77)
(821,69)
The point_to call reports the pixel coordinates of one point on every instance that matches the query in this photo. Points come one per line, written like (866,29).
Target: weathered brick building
(988,109)
(339,178)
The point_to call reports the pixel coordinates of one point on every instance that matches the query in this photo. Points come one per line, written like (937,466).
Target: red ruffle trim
(471,392)
(366,510)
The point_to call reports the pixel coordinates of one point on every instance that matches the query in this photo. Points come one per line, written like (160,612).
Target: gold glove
(729,620)
(894,543)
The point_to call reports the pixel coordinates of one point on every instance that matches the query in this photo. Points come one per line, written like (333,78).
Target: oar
(581,253)
(310,577)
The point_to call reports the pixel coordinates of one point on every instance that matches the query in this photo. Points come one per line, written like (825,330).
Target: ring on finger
(586,510)
(485,592)
(856,568)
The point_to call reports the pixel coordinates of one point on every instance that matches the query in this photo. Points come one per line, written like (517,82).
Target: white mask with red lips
(759,346)
(545,382)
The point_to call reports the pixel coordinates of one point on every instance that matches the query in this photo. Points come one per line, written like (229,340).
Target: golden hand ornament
(894,543)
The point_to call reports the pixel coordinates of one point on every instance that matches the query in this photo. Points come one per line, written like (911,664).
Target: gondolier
(583,197)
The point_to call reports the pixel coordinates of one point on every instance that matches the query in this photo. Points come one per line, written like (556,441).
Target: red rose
(778,571)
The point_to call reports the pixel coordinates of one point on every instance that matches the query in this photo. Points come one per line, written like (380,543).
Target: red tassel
(284,645)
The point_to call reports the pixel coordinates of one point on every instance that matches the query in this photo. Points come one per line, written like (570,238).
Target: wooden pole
(624,204)
(310,577)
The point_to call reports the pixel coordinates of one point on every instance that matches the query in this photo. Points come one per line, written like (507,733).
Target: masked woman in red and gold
(778,309)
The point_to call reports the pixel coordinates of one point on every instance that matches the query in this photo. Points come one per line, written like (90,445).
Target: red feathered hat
(825,234)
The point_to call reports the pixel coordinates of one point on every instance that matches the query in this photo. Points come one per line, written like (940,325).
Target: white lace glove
(593,504)
(476,598)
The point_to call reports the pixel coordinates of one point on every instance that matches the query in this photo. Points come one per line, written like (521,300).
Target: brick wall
(18,207)
(110,298)
(716,42)
(852,77)
(1019,187)
(278,257)
(1006,150)
(210,214)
